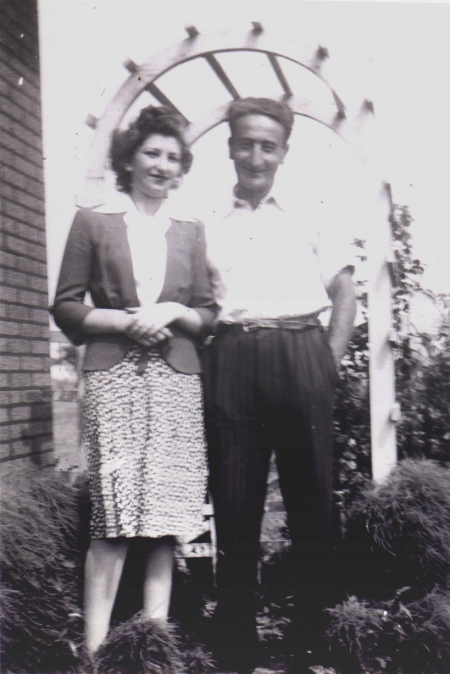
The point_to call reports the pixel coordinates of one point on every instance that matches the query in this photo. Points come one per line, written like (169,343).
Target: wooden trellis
(355,127)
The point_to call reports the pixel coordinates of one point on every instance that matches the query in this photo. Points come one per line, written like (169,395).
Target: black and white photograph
(224,337)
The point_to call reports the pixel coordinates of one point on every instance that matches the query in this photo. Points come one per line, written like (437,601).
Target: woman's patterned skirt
(146,450)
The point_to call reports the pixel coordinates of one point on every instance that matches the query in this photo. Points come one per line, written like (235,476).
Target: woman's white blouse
(147,241)
(148,246)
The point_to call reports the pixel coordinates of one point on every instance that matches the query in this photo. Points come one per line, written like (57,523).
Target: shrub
(41,568)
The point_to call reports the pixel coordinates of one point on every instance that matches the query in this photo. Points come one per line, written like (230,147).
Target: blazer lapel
(120,256)
(177,276)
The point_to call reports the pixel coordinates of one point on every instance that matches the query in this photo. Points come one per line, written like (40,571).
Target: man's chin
(254,186)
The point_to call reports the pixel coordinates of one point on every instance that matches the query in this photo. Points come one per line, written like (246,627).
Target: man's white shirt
(272,262)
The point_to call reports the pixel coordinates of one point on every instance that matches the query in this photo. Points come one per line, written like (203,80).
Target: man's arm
(342,294)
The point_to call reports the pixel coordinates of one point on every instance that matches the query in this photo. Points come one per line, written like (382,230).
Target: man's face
(257,147)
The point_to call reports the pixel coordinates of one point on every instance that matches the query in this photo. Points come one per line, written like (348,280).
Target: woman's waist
(105,351)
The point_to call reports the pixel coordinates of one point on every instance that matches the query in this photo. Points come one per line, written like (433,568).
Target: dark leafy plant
(41,549)
(422,363)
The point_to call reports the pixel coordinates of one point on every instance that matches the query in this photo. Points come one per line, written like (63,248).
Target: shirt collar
(272,199)
(119,202)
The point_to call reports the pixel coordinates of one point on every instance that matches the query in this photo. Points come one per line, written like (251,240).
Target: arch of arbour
(353,126)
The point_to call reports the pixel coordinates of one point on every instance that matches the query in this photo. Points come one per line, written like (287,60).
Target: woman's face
(155,166)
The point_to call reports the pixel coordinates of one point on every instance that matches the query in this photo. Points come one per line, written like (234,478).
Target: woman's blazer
(97,260)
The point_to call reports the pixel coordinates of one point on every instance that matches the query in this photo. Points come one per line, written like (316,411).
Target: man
(270,375)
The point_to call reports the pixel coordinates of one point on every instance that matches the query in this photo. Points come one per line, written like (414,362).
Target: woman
(143,426)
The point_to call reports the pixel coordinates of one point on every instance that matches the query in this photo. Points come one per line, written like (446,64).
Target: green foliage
(399,620)
(422,364)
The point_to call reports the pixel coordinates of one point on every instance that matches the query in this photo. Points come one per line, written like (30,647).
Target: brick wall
(25,387)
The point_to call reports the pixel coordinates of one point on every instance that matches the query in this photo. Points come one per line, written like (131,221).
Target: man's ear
(230,147)
(286,148)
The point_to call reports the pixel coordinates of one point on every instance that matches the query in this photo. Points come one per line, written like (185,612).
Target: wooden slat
(162,98)
(280,75)
(221,74)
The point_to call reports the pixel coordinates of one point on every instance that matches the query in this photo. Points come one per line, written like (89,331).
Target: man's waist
(281,323)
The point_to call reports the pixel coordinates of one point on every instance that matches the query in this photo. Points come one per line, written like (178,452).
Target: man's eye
(268,148)
(175,158)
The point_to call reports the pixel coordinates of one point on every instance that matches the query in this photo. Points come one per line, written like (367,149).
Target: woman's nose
(163,163)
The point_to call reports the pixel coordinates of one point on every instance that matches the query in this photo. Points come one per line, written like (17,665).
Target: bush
(43,541)
(41,554)
(402,625)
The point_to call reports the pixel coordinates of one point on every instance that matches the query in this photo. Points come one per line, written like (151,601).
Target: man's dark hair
(277,110)
(152,119)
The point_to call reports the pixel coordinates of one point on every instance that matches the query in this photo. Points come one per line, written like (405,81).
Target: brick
(9,328)
(20,42)
(31,266)
(17,313)
(4,380)
(40,315)
(21,32)
(9,363)
(5,451)
(35,250)
(34,363)
(3,311)
(24,231)
(17,94)
(9,397)
(16,431)
(41,347)
(13,128)
(4,415)
(19,212)
(19,448)
(19,413)
(11,73)
(32,299)
(13,111)
(34,203)
(40,379)
(8,259)
(16,279)
(9,294)
(20,345)
(25,167)
(33,154)
(36,395)
(13,177)
(5,434)
(20,379)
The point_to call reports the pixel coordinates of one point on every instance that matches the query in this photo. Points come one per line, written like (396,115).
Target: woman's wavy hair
(152,119)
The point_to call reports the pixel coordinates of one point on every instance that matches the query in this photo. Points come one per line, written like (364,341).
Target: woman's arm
(69,310)
(149,321)
(194,319)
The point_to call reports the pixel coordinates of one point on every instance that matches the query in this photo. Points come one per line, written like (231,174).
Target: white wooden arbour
(355,127)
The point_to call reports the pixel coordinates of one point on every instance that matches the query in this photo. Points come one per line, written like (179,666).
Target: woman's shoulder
(96,216)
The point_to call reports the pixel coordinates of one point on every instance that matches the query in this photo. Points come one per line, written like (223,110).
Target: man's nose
(256,156)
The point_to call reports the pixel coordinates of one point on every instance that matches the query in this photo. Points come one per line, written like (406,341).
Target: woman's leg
(103,570)
(158,578)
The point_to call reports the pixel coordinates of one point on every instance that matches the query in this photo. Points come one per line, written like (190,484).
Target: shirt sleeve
(335,253)
(69,309)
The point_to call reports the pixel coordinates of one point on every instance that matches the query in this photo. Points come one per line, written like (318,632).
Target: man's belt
(293,323)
